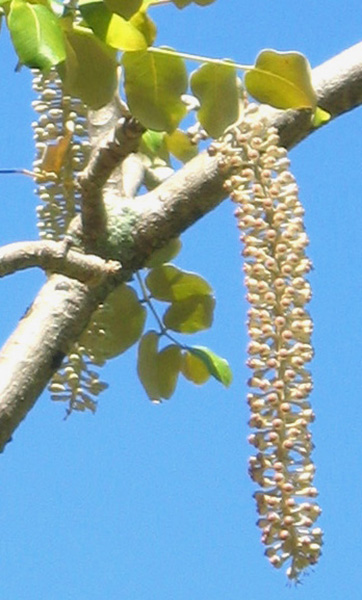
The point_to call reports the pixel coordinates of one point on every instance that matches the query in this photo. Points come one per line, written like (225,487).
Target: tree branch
(64,306)
(116,145)
(55,257)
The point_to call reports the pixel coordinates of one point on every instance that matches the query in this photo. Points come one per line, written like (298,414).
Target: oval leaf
(116,325)
(194,369)
(192,314)
(154,84)
(36,35)
(171,284)
(168,368)
(281,79)
(90,68)
(218,367)
(215,86)
(147,365)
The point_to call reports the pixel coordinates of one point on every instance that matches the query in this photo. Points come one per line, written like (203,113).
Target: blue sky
(144,502)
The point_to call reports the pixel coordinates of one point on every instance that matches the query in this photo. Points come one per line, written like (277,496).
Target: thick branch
(64,306)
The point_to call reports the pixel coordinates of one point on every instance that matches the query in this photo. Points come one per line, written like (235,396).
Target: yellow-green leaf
(320,117)
(281,79)
(116,325)
(194,369)
(36,35)
(171,284)
(192,314)
(180,145)
(90,68)
(111,28)
(168,368)
(218,367)
(154,84)
(165,254)
(215,86)
(147,365)
(124,35)
(153,144)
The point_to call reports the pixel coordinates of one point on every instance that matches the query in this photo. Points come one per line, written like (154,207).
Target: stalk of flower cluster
(270,218)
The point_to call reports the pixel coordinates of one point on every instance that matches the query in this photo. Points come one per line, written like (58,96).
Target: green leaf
(124,8)
(96,15)
(116,325)
(90,68)
(168,368)
(153,144)
(215,86)
(180,145)
(154,84)
(36,35)
(112,29)
(147,365)
(218,367)
(165,254)
(171,284)
(281,79)
(320,117)
(192,314)
(194,369)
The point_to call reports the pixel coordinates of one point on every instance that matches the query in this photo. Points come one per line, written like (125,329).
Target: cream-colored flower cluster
(270,218)
(76,382)
(62,151)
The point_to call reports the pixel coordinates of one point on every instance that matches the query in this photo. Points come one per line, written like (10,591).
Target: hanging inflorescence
(270,218)
(62,152)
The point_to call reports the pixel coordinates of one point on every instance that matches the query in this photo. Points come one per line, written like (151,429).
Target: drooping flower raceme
(62,152)
(270,219)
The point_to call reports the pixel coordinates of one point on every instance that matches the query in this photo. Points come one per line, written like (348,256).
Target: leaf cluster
(87,43)
(120,322)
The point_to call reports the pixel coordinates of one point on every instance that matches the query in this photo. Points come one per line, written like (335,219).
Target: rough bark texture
(63,306)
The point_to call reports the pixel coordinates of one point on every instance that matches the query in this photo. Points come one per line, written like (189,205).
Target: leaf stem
(148,301)
(199,58)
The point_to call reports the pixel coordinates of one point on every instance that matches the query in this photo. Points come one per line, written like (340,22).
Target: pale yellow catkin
(270,220)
